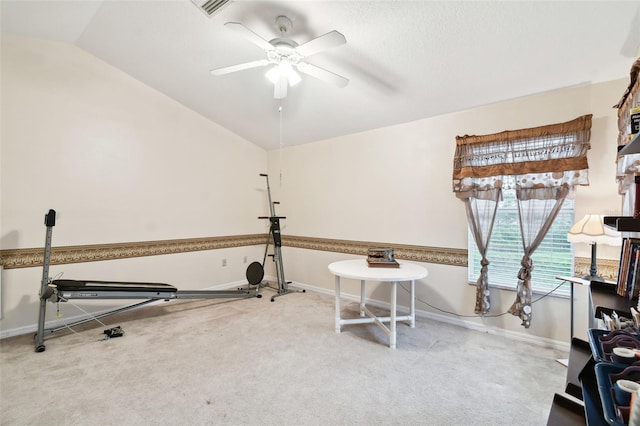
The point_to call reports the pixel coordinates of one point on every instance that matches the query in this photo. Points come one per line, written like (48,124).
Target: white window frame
(504,263)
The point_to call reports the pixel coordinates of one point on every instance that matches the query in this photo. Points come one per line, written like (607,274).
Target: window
(554,257)
(548,162)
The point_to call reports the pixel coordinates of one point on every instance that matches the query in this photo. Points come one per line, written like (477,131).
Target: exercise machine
(64,290)
(275,237)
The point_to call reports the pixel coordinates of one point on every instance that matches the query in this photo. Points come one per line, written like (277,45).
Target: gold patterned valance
(627,165)
(624,102)
(542,157)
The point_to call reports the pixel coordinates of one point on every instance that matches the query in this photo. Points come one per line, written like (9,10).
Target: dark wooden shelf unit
(565,412)
(579,356)
(606,300)
(593,410)
(623,223)
(581,383)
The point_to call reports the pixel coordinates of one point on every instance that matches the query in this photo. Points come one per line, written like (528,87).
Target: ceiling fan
(287,56)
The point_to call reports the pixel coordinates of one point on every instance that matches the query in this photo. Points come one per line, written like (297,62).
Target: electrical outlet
(224,262)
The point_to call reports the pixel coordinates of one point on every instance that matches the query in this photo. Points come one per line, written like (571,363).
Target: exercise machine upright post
(45,290)
(276,237)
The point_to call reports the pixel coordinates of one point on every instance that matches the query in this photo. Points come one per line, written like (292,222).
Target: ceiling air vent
(209,7)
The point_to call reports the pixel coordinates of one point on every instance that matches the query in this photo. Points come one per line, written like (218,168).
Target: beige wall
(122,162)
(393,185)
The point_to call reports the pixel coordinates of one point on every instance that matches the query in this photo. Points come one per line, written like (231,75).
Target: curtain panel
(481,214)
(543,164)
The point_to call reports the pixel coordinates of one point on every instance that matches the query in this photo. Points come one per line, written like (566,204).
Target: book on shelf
(632,289)
(628,275)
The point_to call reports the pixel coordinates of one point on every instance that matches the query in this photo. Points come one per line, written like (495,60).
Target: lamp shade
(590,229)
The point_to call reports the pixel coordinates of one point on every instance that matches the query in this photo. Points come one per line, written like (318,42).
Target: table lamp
(591,230)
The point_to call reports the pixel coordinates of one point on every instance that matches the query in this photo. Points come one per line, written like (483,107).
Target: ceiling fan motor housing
(284,49)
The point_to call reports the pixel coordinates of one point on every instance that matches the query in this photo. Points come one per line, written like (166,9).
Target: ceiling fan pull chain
(280,153)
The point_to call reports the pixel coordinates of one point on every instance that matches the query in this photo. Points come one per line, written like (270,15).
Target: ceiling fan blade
(239,67)
(326,41)
(322,74)
(249,35)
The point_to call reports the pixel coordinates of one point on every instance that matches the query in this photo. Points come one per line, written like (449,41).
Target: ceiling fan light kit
(287,57)
(282,76)
(283,69)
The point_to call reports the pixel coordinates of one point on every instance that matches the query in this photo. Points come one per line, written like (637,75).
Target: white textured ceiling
(405,60)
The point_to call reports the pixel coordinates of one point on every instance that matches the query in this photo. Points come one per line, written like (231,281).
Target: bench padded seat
(116,286)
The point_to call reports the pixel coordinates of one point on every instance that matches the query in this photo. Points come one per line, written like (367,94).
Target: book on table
(381,258)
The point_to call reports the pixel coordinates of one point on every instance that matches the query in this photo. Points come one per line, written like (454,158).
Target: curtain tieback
(527,266)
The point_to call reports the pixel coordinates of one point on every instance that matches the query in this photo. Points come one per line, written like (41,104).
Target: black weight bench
(63,290)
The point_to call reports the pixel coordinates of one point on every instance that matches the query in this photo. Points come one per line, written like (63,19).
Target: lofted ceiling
(405,60)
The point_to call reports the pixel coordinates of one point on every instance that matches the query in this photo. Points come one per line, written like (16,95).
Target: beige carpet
(256,362)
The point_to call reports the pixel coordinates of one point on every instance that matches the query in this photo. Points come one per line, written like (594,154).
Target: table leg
(412,304)
(337,304)
(362,297)
(392,323)
(571,312)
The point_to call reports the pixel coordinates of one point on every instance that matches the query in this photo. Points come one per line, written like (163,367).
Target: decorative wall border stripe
(608,269)
(32,257)
(445,256)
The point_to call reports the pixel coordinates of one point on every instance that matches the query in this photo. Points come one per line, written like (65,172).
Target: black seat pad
(84,285)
